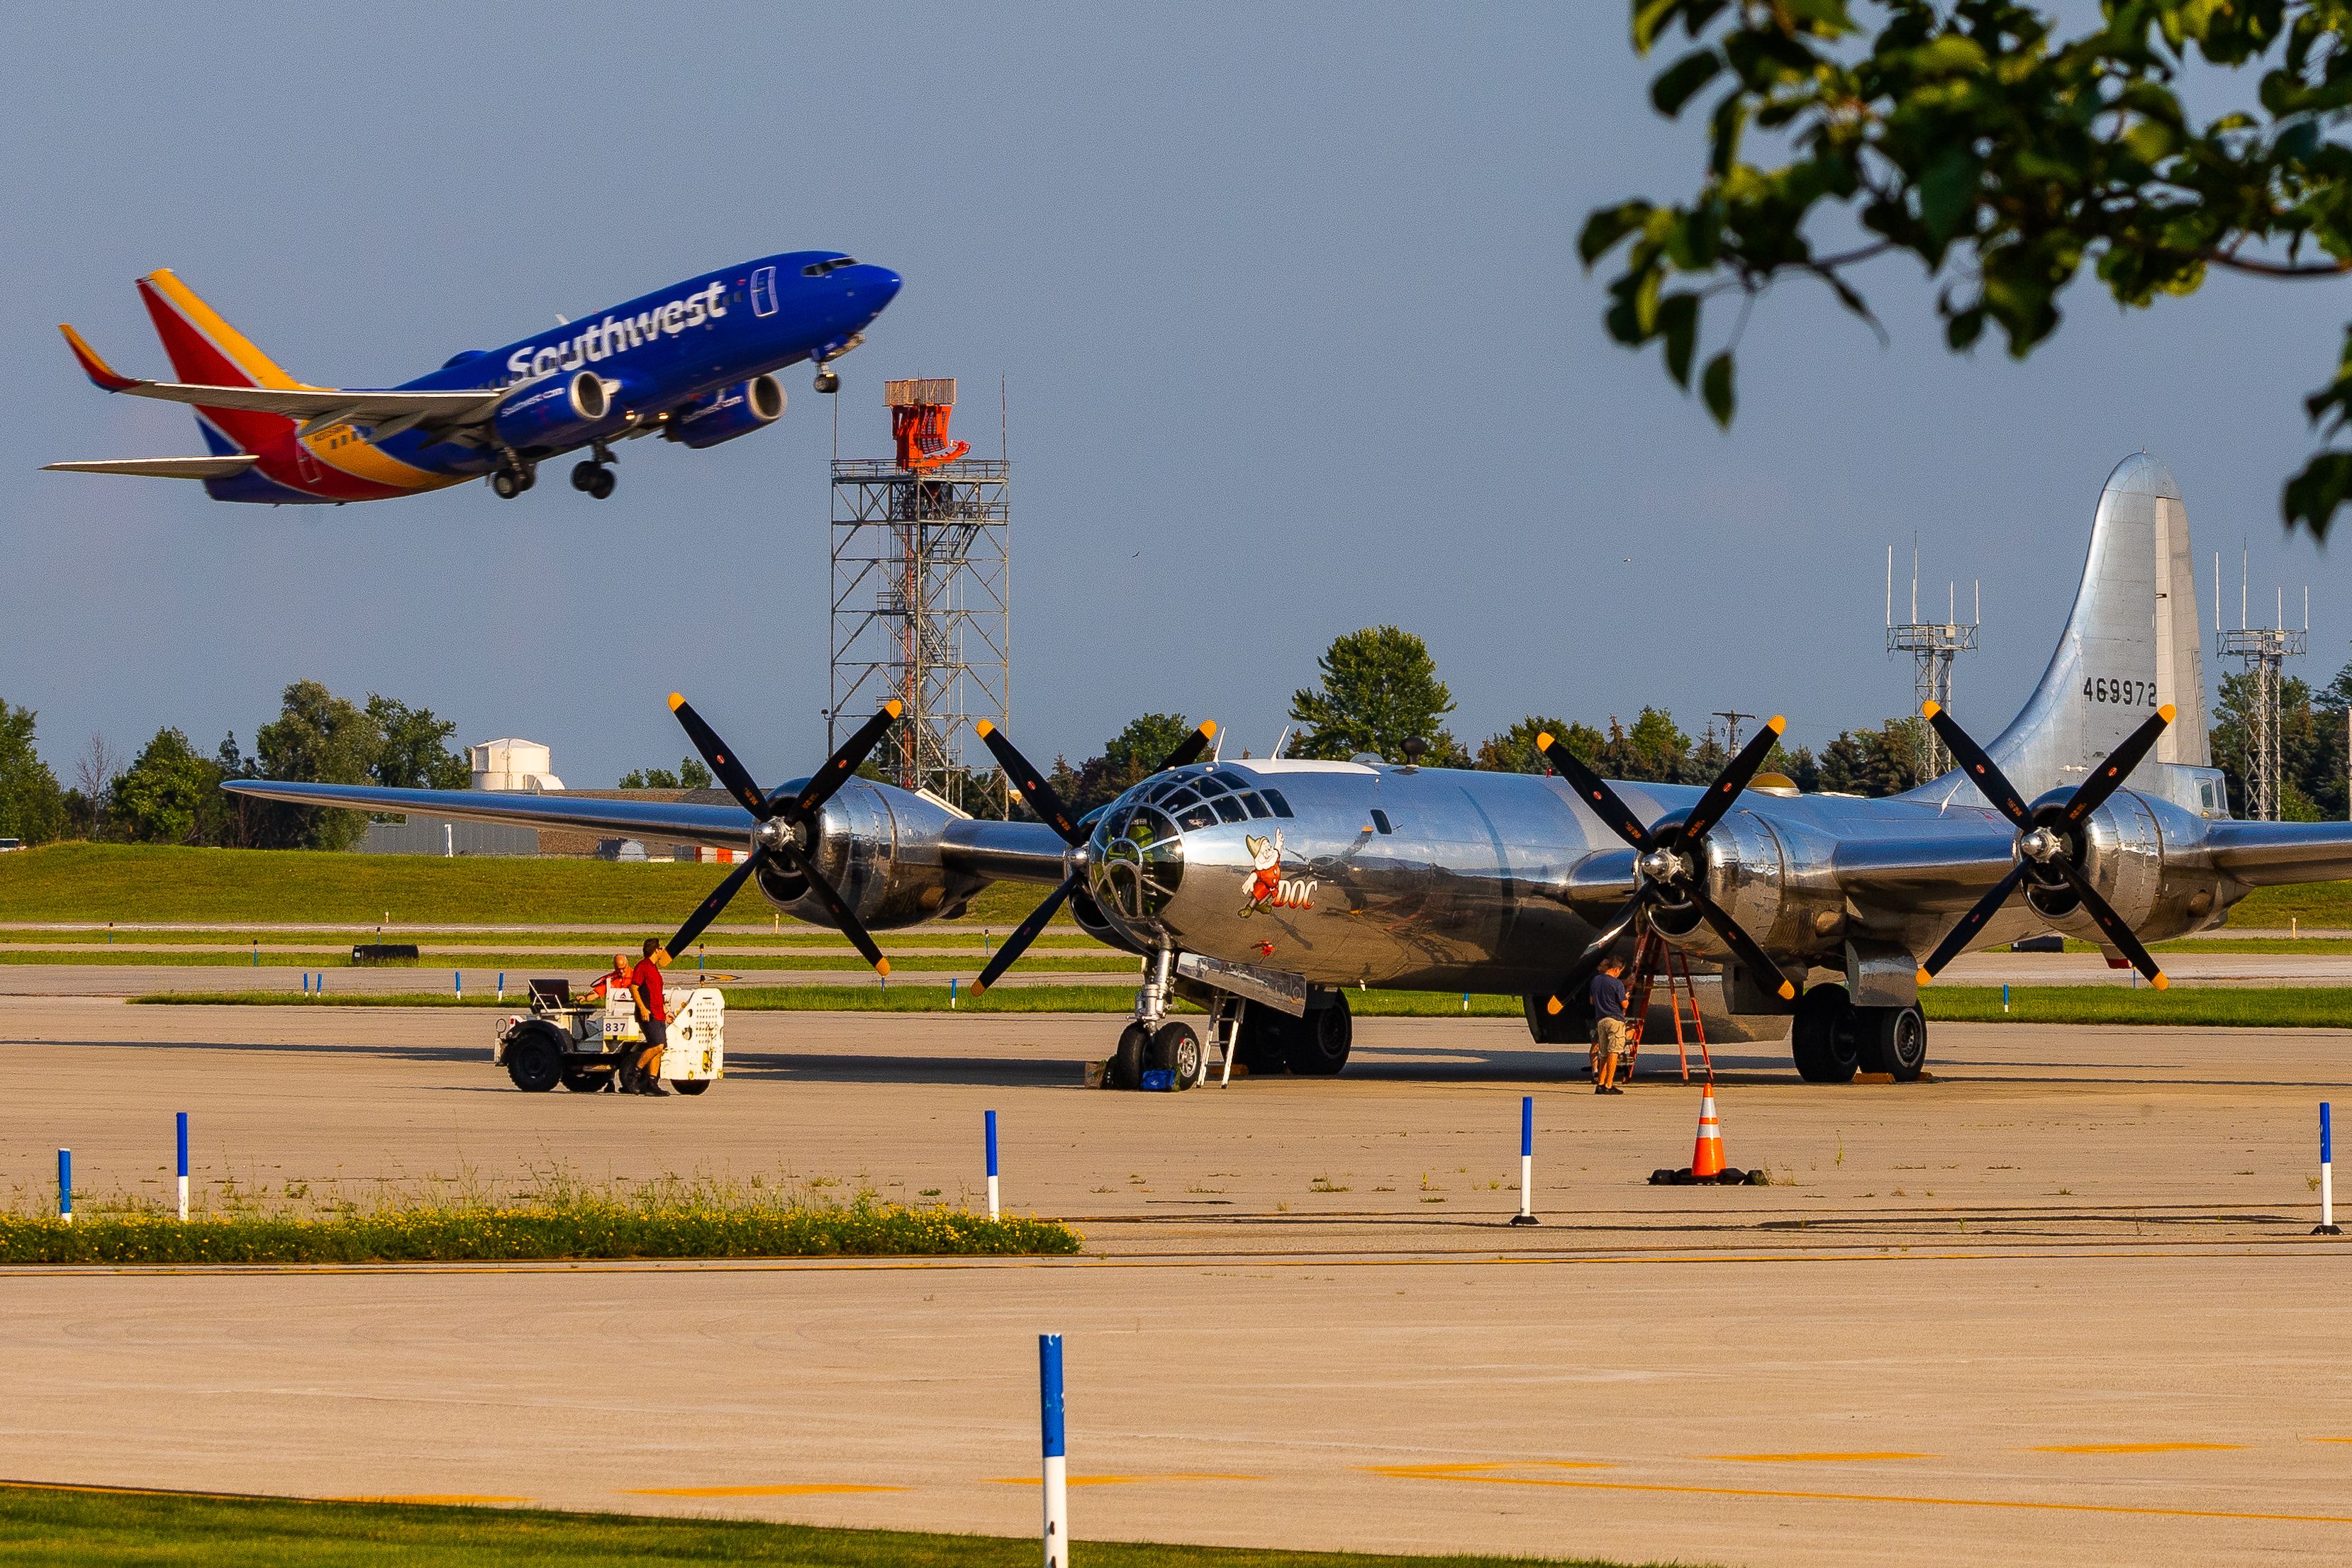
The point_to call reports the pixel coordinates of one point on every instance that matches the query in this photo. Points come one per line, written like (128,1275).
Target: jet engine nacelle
(730,412)
(560,411)
(881,850)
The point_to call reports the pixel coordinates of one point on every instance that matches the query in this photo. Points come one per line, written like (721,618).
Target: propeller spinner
(786,823)
(1670,863)
(2049,841)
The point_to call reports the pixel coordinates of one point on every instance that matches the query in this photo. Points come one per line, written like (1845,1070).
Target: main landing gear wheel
(1822,1038)
(592,479)
(1176,1049)
(511,481)
(533,1064)
(1126,1071)
(1319,1047)
(827,380)
(1891,1040)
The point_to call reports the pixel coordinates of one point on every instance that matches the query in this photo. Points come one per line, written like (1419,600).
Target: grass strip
(929,998)
(2194,1007)
(524,1233)
(76,1526)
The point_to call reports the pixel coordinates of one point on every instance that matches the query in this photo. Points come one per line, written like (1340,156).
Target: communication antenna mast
(922,597)
(2263,651)
(1932,644)
(1731,717)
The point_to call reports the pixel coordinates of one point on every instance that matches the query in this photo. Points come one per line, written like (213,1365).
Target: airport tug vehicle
(581,1046)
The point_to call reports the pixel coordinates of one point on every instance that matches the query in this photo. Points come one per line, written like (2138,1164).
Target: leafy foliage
(1379,690)
(1886,761)
(2312,741)
(167,794)
(413,749)
(1127,759)
(2004,157)
(32,806)
(692,775)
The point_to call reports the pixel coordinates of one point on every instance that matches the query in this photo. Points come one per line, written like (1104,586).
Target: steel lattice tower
(1933,645)
(2264,650)
(922,594)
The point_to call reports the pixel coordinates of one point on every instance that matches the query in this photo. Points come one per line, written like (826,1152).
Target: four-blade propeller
(1046,802)
(1670,863)
(787,823)
(2049,841)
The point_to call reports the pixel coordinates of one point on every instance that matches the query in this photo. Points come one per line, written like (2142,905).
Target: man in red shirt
(646,980)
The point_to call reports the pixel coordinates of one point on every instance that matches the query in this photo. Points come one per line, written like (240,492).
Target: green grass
(2312,903)
(927,998)
(143,882)
(2203,1006)
(71,1526)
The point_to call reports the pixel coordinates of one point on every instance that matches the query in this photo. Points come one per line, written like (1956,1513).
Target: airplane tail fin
(2131,644)
(206,351)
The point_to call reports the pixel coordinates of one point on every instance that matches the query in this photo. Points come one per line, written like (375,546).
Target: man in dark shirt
(1608,1024)
(646,980)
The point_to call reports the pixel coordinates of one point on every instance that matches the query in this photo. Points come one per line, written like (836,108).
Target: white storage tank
(517,767)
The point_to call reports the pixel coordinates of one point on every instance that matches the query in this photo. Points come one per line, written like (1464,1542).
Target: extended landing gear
(1832,1039)
(828,380)
(1315,1046)
(592,479)
(1259,1038)
(514,477)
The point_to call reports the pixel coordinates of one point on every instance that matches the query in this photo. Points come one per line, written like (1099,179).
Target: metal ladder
(1223,1037)
(1652,954)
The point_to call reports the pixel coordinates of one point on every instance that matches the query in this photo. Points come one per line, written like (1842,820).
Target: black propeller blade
(1043,800)
(2047,844)
(798,813)
(1678,879)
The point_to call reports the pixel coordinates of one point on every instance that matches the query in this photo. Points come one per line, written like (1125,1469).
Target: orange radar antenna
(919,422)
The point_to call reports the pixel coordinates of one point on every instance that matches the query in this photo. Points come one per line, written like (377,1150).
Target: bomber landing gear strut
(1832,1039)
(1154,1042)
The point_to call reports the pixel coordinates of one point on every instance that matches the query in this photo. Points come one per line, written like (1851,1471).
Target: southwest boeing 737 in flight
(695,363)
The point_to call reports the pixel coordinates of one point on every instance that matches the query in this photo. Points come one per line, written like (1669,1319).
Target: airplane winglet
(101,374)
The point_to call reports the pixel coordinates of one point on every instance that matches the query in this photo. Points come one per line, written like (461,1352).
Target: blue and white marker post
(457,983)
(1527,1214)
(184,1168)
(991,1191)
(2327,1226)
(65,1208)
(1057,1470)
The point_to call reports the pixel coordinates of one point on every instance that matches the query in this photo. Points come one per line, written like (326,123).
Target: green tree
(32,806)
(1654,751)
(2311,745)
(2002,155)
(168,795)
(1379,690)
(1514,751)
(414,751)
(692,775)
(317,737)
(1127,759)
(1884,761)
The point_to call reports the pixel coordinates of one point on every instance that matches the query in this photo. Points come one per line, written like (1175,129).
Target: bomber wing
(385,413)
(2266,855)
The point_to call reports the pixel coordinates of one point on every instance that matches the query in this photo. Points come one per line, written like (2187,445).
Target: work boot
(652,1085)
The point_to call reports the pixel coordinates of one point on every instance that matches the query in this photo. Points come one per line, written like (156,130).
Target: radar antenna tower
(2263,651)
(922,597)
(1933,645)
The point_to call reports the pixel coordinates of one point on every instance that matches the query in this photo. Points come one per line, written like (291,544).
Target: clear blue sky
(1286,301)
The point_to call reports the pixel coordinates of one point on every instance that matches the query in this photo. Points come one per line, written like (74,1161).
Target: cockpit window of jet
(1265,891)
(694,363)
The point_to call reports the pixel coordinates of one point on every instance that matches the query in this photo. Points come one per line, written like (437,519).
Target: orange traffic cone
(1707,1155)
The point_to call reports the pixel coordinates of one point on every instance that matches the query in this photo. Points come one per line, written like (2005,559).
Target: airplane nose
(875,285)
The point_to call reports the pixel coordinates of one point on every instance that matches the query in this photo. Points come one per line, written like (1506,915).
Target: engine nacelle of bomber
(730,412)
(1778,880)
(880,849)
(2146,856)
(558,412)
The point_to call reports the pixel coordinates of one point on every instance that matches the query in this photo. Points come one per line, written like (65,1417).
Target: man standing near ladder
(1609,1024)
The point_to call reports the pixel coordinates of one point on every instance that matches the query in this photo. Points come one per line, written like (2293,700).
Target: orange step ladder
(1654,955)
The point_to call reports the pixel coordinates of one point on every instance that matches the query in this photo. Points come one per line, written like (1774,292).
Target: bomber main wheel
(1127,1061)
(1319,1048)
(1891,1040)
(533,1064)
(1177,1049)
(1822,1038)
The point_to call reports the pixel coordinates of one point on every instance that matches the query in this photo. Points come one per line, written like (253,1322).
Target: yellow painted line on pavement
(2329,1439)
(1440,1473)
(2138,1448)
(2023,1504)
(1122,1480)
(1810,1458)
(802,1488)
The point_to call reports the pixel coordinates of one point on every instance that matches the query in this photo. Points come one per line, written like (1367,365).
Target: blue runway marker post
(183,1166)
(502,985)
(1057,1473)
(1527,1214)
(952,993)
(991,1164)
(457,983)
(2327,1226)
(65,1185)
(2004,996)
